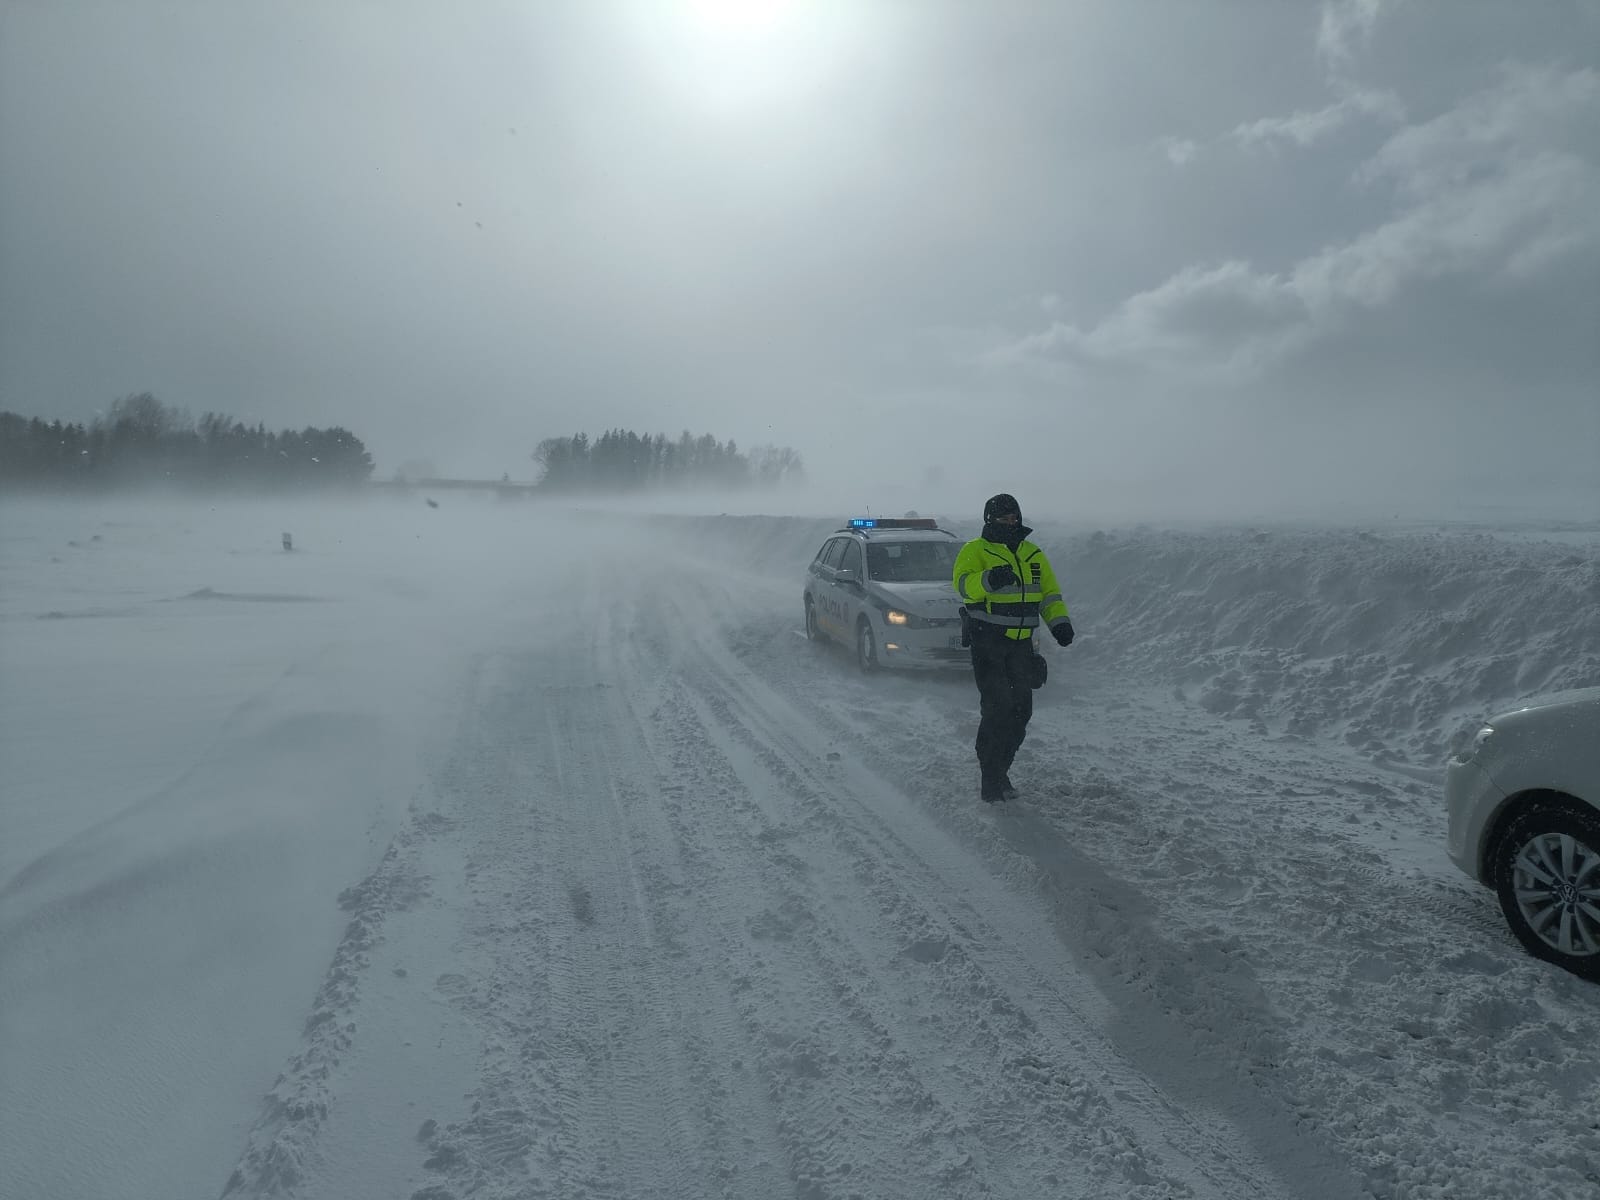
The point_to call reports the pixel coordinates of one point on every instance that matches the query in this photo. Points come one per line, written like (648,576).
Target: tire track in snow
(707,963)
(919,876)
(281,1149)
(956,1102)
(1305,876)
(607,1011)
(859,1115)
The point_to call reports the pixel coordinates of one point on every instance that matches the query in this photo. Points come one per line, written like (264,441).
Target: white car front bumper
(1471,798)
(932,648)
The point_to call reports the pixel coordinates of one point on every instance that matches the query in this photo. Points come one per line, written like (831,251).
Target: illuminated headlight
(896,617)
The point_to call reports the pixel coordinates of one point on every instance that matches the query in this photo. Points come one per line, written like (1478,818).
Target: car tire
(813,630)
(866,647)
(1547,876)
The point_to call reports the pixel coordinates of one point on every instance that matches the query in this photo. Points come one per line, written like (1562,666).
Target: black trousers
(1003,669)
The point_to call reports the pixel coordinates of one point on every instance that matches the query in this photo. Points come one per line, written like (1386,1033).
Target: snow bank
(1389,643)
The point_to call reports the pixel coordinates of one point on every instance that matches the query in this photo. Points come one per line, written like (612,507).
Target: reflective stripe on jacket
(1016,608)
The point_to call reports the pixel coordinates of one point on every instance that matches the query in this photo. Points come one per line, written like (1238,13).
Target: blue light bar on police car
(893,523)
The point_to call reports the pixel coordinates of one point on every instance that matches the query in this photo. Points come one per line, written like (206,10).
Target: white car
(883,588)
(1524,802)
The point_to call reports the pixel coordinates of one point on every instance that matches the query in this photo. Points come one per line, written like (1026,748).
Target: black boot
(1008,790)
(992,791)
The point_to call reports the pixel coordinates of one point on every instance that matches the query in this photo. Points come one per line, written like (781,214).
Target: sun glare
(737,56)
(751,16)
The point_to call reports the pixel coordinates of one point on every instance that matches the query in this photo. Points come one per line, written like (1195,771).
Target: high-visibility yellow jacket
(1017,608)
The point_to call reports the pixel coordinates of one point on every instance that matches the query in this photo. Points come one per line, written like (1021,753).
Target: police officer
(1008,588)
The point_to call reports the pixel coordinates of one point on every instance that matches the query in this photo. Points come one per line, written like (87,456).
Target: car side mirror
(847,575)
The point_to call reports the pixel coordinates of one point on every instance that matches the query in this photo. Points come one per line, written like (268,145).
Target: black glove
(996,578)
(1062,633)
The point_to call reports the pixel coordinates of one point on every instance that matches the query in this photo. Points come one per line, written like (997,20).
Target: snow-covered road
(684,906)
(702,947)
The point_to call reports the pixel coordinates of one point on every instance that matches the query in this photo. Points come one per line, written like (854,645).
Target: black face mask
(1009,536)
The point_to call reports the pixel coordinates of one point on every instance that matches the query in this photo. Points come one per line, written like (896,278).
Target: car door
(850,584)
(825,589)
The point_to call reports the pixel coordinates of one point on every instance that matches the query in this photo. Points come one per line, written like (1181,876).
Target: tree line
(622,460)
(140,440)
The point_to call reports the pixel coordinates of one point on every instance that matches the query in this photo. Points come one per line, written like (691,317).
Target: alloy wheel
(1556,883)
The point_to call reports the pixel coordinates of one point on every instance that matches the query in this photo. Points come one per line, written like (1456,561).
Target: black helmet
(1002,505)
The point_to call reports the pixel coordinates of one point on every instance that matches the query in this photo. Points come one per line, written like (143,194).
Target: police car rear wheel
(866,646)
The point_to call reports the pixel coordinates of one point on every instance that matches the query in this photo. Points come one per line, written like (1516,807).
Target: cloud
(1501,187)
(1346,28)
(1217,317)
(1344,24)
(1497,191)
(1532,111)
(1304,128)
(1179,151)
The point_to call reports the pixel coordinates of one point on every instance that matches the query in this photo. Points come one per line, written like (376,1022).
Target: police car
(882,587)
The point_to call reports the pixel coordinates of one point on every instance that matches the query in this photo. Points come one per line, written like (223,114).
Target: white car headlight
(895,617)
(1466,753)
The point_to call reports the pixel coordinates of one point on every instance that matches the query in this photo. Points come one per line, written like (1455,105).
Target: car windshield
(906,562)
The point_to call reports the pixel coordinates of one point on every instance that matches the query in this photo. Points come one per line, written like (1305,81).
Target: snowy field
(500,851)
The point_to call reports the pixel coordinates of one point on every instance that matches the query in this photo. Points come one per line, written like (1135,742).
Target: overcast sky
(1176,250)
